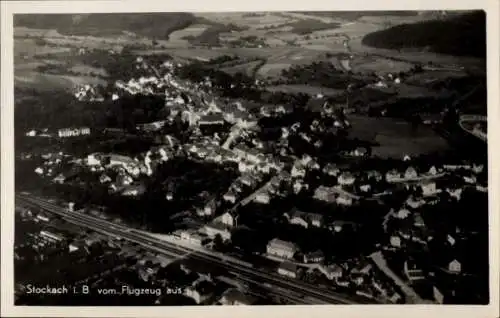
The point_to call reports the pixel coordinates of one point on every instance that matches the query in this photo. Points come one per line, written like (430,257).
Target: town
(218,192)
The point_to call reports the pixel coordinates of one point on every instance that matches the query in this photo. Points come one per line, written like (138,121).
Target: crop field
(246,68)
(88,70)
(370,64)
(178,38)
(395,138)
(259,20)
(311,90)
(49,82)
(29,48)
(278,59)
(430,77)
(472,64)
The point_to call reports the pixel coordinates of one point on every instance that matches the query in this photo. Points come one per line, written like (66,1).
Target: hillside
(354,15)
(462,35)
(153,25)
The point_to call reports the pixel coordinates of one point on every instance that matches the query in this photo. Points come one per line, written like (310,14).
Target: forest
(463,35)
(155,25)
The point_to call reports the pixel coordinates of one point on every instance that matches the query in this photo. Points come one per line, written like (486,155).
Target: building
(414,203)
(75,246)
(331,170)
(283,249)
(393,176)
(314,257)
(402,214)
(211,119)
(52,237)
(418,220)
(288,269)
(248,180)
(326,194)
(73,132)
(263,197)
(411,173)
(229,219)
(234,297)
(455,267)
(230,196)
(304,219)
(94,159)
(60,178)
(193,237)
(331,271)
(395,241)
(359,152)
(136,189)
(429,188)
(346,178)
(208,209)
(343,200)
(124,161)
(298,170)
(250,154)
(31,133)
(42,217)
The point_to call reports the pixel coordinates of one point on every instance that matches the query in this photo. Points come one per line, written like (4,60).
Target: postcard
(321,158)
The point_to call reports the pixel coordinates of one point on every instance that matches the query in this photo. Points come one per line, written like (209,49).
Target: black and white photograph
(213,158)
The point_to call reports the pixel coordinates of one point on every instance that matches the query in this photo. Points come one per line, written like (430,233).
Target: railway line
(280,285)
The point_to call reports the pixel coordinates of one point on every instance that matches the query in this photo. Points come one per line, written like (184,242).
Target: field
(27,48)
(291,38)
(258,21)
(370,64)
(395,138)
(178,37)
(49,82)
(245,68)
(28,62)
(312,90)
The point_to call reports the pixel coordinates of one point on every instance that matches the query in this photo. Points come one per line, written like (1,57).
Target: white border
(492,8)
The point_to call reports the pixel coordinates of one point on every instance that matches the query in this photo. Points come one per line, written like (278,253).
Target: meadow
(395,138)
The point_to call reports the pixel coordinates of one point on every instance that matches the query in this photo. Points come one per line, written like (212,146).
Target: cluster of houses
(73,132)
(358,274)
(61,133)
(88,93)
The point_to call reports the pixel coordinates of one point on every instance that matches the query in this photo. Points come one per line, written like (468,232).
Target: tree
(218,243)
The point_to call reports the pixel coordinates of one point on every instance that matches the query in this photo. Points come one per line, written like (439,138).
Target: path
(412,296)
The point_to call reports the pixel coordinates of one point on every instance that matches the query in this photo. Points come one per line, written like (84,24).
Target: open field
(369,64)
(245,68)
(88,70)
(177,38)
(28,48)
(394,137)
(49,82)
(311,90)
(253,21)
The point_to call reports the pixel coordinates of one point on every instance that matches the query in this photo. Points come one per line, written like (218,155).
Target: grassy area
(50,82)
(307,26)
(307,89)
(395,138)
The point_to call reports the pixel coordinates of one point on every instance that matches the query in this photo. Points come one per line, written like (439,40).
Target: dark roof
(212,118)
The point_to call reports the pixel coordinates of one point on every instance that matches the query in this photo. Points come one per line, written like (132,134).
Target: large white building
(73,132)
(281,248)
